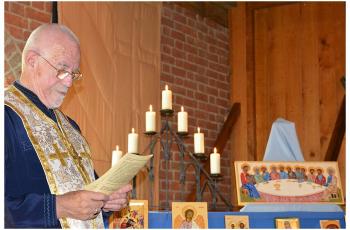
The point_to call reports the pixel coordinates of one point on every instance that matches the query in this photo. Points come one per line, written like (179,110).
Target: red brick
(16,20)
(178,53)
(7,6)
(212,108)
(202,115)
(213,57)
(190,84)
(167,58)
(191,22)
(190,48)
(26,34)
(17,8)
(165,40)
(38,5)
(14,31)
(212,100)
(167,78)
(179,45)
(166,12)
(34,24)
(221,102)
(25,3)
(166,31)
(202,44)
(212,91)
(190,67)
(166,49)
(37,15)
(165,68)
(190,93)
(48,7)
(178,72)
(201,61)
(185,29)
(21,45)
(201,97)
(224,94)
(179,90)
(7,67)
(179,63)
(177,35)
(179,18)
(202,79)
(179,81)
(10,48)
(167,21)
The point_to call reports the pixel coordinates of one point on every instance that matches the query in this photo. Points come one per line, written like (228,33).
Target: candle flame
(150,108)
(133,130)
(199,130)
(215,150)
(166,87)
(182,108)
(117,147)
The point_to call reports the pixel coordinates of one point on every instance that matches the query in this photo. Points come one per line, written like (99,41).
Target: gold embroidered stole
(63,152)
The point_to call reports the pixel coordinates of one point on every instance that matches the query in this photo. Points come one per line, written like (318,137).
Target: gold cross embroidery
(58,155)
(80,156)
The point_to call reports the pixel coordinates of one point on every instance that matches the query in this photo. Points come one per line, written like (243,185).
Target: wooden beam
(220,142)
(225,132)
(337,135)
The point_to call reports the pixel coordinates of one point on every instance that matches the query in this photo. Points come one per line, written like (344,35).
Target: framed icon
(236,222)
(134,216)
(287,223)
(189,215)
(261,182)
(334,224)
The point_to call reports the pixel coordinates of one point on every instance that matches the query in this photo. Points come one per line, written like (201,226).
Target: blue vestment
(253,192)
(28,200)
(283,175)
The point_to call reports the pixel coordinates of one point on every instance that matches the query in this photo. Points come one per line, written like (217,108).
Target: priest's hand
(118,199)
(81,205)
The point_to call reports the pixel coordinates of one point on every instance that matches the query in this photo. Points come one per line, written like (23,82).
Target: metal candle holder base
(167,137)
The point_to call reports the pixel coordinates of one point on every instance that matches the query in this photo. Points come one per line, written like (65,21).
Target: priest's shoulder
(74,124)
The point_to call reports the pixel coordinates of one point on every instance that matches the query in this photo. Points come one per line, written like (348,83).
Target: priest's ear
(30,58)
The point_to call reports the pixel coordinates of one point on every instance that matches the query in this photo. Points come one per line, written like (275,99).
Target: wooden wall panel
(287,60)
(298,71)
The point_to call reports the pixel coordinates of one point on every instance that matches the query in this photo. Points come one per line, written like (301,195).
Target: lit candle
(133,142)
(215,162)
(182,121)
(167,98)
(150,120)
(116,155)
(199,142)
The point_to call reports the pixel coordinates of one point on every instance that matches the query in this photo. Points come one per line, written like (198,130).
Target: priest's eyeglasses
(62,73)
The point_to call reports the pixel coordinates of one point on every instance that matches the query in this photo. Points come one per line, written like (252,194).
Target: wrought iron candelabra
(167,137)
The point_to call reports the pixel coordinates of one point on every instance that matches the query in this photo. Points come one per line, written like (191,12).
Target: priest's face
(51,86)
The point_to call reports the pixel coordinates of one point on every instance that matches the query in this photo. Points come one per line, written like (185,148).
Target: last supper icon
(288,182)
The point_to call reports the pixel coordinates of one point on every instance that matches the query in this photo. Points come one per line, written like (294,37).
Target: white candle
(215,162)
(133,142)
(182,121)
(150,120)
(199,142)
(167,98)
(116,155)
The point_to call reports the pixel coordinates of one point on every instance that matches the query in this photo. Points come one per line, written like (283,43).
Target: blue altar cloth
(256,219)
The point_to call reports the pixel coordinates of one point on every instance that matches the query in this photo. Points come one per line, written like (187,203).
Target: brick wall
(195,65)
(21,18)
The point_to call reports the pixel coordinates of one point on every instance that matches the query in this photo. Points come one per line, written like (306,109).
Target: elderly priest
(47,160)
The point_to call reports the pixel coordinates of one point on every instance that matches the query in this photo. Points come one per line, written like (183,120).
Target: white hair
(33,42)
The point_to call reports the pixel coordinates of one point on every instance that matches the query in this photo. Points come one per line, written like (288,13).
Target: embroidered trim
(22,105)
